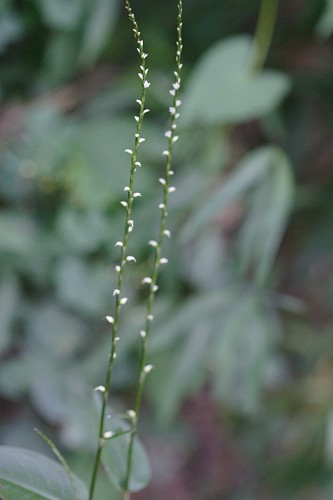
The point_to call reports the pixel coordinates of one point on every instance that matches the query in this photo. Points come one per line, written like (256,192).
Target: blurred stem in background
(263,34)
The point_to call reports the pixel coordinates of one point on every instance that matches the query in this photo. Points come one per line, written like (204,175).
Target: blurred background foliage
(240,403)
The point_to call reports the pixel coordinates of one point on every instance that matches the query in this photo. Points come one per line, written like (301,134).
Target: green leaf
(10,29)
(8,306)
(222,89)
(265,176)
(52,329)
(198,309)
(182,375)
(267,214)
(114,457)
(61,14)
(240,355)
(46,140)
(25,474)
(246,175)
(82,287)
(324,27)
(100,21)
(82,231)
(17,232)
(99,168)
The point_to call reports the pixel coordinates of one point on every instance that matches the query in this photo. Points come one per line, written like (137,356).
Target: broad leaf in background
(82,287)
(184,338)
(267,212)
(195,310)
(82,230)
(98,169)
(9,298)
(241,353)
(324,26)
(102,15)
(17,232)
(222,88)
(26,474)
(10,28)
(265,176)
(114,457)
(183,375)
(62,14)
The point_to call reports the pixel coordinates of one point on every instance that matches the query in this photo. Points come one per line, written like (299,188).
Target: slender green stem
(124,258)
(172,137)
(263,34)
(62,460)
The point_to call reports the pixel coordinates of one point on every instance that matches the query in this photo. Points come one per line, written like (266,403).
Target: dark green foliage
(244,307)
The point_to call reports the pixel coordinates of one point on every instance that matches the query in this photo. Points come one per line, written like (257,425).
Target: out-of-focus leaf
(61,14)
(17,232)
(184,372)
(8,305)
(197,310)
(248,173)
(222,89)
(10,29)
(267,214)
(26,474)
(46,140)
(99,167)
(82,231)
(114,457)
(51,328)
(60,59)
(205,262)
(59,399)
(324,27)
(264,176)
(19,374)
(240,354)
(84,288)
(99,25)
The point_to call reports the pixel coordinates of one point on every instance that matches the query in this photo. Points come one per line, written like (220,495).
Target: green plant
(239,371)
(30,478)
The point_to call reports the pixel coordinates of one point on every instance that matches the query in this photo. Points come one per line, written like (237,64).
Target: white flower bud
(100,388)
(108,435)
(146,281)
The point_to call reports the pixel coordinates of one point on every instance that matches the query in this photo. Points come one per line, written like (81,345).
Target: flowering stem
(263,34)
(151,281)
(124,258)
